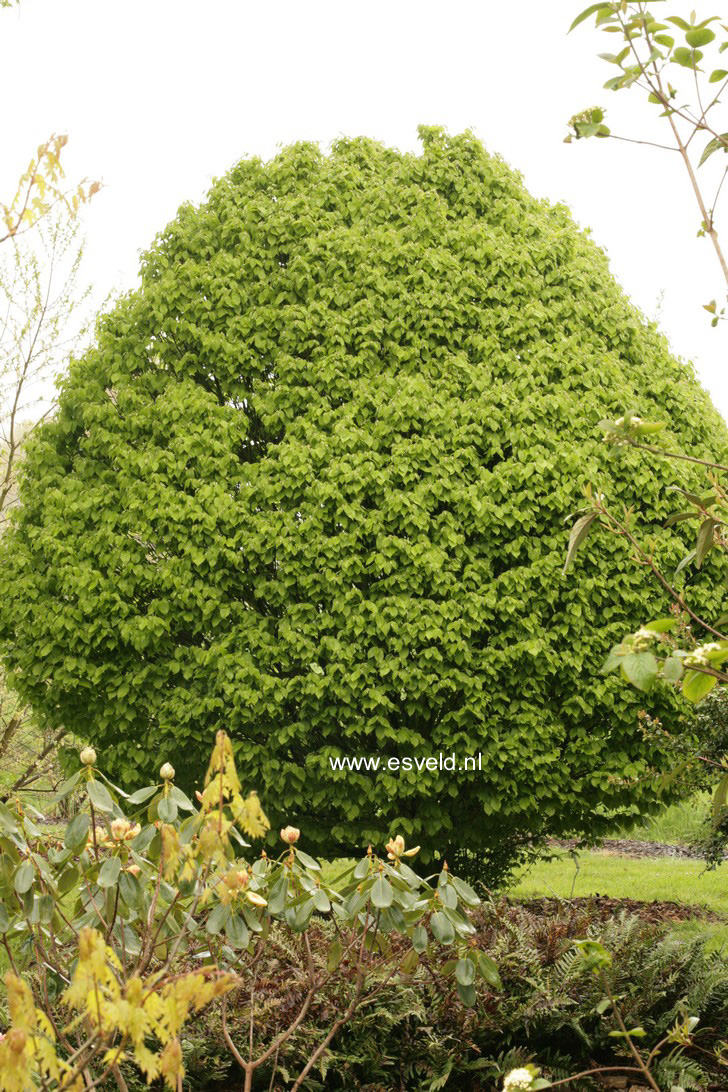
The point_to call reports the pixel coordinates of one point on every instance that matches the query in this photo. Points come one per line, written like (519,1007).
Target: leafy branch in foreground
(665,650)
(653,52)
(40,188)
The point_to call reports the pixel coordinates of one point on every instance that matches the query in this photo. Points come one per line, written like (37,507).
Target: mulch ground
(630,847)
(605,906)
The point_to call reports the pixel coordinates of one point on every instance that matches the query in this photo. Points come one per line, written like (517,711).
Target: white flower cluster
(517,1080)
(642,639)
(699,656)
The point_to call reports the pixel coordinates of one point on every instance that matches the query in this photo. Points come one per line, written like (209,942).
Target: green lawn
(624,877)
(677,824)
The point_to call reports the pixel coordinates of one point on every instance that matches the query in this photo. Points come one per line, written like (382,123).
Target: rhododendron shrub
(150,908)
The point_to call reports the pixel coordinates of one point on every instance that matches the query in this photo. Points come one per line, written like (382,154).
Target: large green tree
(310,486)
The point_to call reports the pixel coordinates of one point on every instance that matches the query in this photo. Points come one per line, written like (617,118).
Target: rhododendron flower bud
(133,868)
(243,878)
(290,835)
(199,796)
(167,771)
(119,829)
(395,847)
(255,898)
(88,756)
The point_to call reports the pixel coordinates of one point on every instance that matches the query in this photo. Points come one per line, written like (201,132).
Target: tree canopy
(309,486)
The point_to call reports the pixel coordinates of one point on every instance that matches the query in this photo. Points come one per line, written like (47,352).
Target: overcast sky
(160,96)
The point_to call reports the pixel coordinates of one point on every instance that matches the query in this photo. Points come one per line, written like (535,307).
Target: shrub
(310,486)
(128,929)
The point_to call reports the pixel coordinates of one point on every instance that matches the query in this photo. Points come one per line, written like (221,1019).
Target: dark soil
(630,847)
(605,907)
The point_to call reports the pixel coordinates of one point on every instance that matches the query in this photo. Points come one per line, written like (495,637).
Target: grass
(675,880)
(678,824)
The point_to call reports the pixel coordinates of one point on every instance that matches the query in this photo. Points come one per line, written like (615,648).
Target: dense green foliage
(310,486)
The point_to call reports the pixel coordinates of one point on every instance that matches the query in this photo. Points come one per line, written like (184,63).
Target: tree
(654,52)
(309,486)
(44,311)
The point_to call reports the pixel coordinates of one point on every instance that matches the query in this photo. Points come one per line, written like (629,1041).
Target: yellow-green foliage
(310,485)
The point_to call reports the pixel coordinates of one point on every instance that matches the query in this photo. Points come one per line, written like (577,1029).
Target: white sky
(160,96)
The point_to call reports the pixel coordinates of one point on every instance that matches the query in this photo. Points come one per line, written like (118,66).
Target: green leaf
(181,799)
(685,561)
(382,893)
(640,668)
(699,36)
(489,971)
(24,877)
(141,795)
(591,10)
(99,796)
(661,625)
(672,669)
(442,928)
(321,901)
(613,660)
(697,684)
(679,517)
(217,918)
(68,880)
(718,74)
(333,959)
(720,798)
(705,540)
(66,788)
(465,891)
(309,862)
(465,972)
(277,895)
(649,428)
(578,533)
(109,872)
(236,931)
(297,916)
(46,909)
(716,144)
(467,995)
(8,821)
(167,809)
(419,939)
(688,58)
(4,919)
(362,869)
(410,962)
(130,889)
(76,832)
